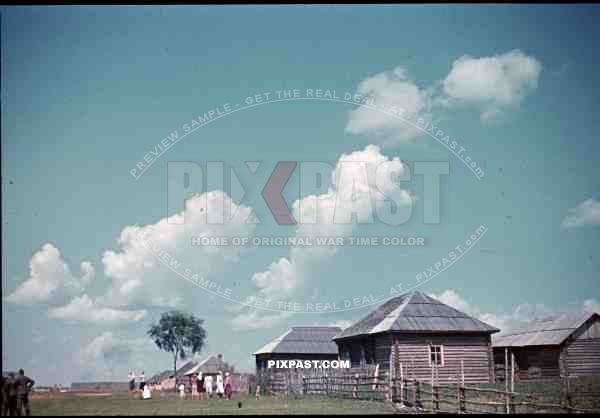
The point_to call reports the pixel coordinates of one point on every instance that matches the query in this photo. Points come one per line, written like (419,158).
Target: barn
(419,333)
(299,343)
(553,348)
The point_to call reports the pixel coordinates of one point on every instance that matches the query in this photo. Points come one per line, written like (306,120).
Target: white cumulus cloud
(519,315)
(50,278)
(84,309)
(137,272)
(390,88)
(585,213)
(360,183)
(494,82)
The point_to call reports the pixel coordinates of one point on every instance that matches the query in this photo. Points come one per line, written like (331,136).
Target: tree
(180,334)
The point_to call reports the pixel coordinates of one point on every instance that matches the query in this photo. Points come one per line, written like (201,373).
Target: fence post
(458,394)
(417,394)
(390,386)
(462,394)
(401,385)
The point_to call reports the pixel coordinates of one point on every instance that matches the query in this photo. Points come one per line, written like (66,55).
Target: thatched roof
(303,340)
(415,312)
(551,331)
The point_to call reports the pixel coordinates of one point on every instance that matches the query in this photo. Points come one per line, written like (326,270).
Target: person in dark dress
(142,378)
(200,383)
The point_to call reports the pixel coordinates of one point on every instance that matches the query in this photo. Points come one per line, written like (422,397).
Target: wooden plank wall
(413,353)
(583,357)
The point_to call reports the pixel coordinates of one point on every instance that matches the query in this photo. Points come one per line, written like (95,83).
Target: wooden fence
(433,396)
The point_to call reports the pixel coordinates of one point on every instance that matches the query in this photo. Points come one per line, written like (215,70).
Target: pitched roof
(186,367)
(159,377)
(415,312)
(303,340)
(210,365)
(183,370)
(551,331)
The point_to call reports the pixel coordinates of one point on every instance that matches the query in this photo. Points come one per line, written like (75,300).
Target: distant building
(299,343)
(553,348)
(210,365)
(419,333)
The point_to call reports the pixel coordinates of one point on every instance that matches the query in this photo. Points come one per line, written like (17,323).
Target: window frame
(440,352)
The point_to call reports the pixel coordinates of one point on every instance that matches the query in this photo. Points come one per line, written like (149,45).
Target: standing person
(10,395)
(142,381)
(227,385)
(200,385)
(208,385)
(220,389)
(2,396)
(131,380)
(194,381)
(24,385)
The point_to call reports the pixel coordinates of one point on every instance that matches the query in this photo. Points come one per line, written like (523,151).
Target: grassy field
(585,392)
(170,404)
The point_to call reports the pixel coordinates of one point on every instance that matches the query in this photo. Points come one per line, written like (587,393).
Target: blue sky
(88,92)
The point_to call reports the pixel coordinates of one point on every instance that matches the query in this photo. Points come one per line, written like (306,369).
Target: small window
(436,355)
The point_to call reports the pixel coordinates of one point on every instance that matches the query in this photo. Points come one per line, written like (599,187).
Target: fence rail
(437,398)
(402,389)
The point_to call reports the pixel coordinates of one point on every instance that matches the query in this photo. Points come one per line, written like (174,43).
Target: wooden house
(552,348)
(299,343)
(421,335)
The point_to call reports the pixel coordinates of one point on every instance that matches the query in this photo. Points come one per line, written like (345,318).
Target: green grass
(170,404)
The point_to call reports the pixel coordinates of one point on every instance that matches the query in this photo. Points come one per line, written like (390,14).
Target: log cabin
(552,348)
(420,335)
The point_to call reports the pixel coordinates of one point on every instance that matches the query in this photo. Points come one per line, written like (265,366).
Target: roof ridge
(415,311)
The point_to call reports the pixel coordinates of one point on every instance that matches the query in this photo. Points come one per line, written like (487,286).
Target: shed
(418,333)
(553,348)
(299,343)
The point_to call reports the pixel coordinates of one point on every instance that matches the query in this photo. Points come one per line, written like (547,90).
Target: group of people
(203,383)
(15,394)
(142,387)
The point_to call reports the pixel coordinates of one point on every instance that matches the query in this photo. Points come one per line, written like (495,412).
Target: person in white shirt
(220,387)
(182,391)
(146,394)
(208,385)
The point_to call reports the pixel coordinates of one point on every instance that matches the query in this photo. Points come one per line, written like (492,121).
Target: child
(182,391)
